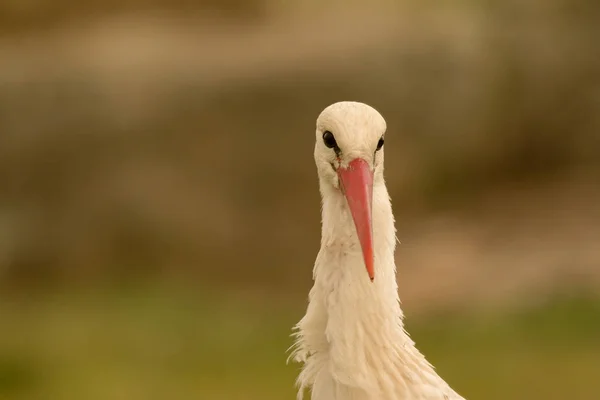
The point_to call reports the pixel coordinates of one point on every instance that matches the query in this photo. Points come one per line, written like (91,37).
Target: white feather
(352,341)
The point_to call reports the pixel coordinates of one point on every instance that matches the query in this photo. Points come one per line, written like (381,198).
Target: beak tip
(371,273)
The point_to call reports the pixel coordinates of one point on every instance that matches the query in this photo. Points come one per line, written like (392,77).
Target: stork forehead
(351,121)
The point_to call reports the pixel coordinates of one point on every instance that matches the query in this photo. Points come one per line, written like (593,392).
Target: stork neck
(340,244)
(358,323)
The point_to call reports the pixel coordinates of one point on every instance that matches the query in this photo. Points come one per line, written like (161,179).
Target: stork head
(349,158)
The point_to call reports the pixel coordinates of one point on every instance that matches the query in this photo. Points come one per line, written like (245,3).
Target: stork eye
(329,140)
(380,144)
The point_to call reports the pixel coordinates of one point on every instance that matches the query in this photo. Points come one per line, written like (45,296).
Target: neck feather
(352,339)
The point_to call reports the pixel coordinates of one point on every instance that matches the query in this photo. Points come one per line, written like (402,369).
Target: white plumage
(352,341)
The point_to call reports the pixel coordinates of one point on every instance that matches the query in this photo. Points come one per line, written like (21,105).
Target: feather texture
(352,341)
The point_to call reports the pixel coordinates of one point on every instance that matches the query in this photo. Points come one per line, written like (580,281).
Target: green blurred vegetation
(170,343)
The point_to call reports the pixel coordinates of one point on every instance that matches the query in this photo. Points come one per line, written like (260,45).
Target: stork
(352,342)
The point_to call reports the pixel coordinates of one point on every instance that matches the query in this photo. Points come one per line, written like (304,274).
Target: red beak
(357,186)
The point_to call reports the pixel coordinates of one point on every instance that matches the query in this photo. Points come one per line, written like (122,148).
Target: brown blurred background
(159,207)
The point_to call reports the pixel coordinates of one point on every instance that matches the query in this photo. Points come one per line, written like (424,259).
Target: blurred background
(159,206)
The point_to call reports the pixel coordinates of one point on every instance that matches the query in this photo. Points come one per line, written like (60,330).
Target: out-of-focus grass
(174,345)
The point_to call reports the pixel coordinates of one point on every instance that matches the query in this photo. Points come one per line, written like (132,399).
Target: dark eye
(380,144)
(329,140)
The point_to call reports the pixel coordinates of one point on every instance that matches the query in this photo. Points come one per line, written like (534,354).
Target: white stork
(352,341)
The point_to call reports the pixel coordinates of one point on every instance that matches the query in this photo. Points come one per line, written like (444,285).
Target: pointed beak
(357,186)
